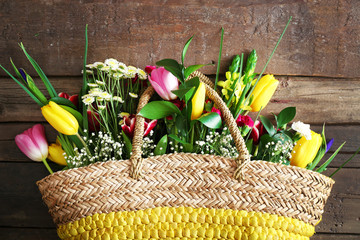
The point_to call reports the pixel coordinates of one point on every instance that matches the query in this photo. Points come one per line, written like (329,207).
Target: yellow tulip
(56,154)
(63,121)
(305,151)
(198,101)
(263,92)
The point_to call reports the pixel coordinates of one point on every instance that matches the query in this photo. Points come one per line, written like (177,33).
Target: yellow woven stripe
(186,223)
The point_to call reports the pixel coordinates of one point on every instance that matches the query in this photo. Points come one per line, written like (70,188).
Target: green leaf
(325,164)
(24,87)
(35,90)
(188,147)
(128,145)
(211,120)
(190,69)
(172,66)
(268,125)
(285,116)
(18,73)
(194,82)
(40,72)
(185,50)
(158,110)
(63,101)
(75,140)
(182,92)
(249,145)
(161,147)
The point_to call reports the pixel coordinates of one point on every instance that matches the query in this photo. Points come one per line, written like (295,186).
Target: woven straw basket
(186,196)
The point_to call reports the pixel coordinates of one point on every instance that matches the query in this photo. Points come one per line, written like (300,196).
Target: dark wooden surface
(317,63)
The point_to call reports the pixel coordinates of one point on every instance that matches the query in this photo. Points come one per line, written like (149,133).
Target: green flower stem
(84,144)
(47,166)
(219,59)
(272,53)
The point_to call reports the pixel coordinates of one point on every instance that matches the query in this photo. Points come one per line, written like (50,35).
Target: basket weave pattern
(190,180)
(193,181)
(186,223)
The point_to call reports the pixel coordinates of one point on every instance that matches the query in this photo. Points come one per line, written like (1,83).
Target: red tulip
(93,121)
(128,125)
(73,98)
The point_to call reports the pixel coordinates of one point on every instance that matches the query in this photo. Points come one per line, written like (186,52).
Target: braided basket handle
(136,158)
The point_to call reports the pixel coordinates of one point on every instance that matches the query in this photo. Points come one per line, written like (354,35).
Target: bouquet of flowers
(117,116)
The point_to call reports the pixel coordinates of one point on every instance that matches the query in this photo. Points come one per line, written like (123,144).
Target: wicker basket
(186,196)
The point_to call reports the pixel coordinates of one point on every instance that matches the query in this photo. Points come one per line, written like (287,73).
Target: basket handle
(136,158)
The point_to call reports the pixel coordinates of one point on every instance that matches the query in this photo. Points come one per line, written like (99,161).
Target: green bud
(235,64)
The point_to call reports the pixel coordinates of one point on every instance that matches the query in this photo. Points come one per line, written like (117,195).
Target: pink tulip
(164,82)
(33,144)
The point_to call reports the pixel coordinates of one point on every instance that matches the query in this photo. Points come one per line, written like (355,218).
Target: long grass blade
(267,62)
(219,59)
(23,87)
(40,72)
(342,165)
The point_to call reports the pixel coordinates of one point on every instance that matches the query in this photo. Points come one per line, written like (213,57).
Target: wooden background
(317,62)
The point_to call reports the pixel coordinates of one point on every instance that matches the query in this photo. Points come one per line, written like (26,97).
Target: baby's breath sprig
(105,148)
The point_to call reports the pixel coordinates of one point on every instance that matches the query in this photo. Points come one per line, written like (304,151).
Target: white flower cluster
(99,94)
(148,145)
(279,152)
(117,70)
(103,147)
(218,144)
(303,129)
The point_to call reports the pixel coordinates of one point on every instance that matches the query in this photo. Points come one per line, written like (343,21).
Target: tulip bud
(164,82)
(63,121)
(32,143)
(56,154)
(198,101)
(263,92)
(305,151)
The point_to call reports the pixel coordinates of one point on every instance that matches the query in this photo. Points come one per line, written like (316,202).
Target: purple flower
(329,144)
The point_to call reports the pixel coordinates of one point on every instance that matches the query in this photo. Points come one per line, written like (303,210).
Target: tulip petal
(39,139)
(26,145)
(170,83)
(159,90)
(149,126)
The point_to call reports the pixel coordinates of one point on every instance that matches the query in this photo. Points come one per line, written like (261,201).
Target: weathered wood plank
(28,233)
(50,234)
(22,206)
(317,100)
(342,210)
(143,32)
(322,236)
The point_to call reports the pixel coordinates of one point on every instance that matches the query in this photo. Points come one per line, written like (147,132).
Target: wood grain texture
(317,100)
(316,63)
(323,39)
